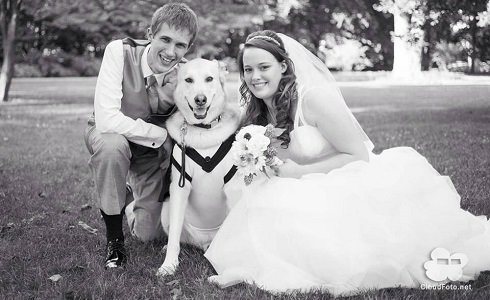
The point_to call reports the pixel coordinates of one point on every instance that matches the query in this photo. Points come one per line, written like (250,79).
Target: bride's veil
(311,73)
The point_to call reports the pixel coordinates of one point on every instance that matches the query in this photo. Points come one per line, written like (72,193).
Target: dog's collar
(210,125)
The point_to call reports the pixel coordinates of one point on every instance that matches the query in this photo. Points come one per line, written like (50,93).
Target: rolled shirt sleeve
(107,103)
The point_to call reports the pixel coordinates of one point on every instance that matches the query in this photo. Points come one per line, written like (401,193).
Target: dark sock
(113,224)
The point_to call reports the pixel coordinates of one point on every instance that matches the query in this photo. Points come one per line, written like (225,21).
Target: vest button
(207,159)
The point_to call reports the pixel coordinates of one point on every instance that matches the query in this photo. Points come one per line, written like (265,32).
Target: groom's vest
(134,102)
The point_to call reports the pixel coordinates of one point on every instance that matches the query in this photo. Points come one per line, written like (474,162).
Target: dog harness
(206,163)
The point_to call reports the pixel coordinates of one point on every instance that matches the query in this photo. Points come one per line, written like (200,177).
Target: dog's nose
(200,99)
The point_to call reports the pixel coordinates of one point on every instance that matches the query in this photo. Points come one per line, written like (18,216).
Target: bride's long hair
(286,94)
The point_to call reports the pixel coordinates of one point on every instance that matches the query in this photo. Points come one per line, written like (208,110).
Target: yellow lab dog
(203,129)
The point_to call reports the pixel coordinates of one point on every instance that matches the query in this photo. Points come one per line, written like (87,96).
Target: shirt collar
(145,67)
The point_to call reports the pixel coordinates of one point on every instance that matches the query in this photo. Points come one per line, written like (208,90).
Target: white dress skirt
(367,225)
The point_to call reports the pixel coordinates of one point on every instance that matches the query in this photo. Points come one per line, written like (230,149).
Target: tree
(62,30)
(408,35)
(9,10)
(413,22)
(222,24)
(467,14)
(310,21)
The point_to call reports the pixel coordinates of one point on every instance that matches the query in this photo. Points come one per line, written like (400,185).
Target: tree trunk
(7,67)
(407,52)
(9,22)
(473,29)
(426,60)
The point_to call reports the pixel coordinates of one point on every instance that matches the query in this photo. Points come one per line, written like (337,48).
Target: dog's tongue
(200,113)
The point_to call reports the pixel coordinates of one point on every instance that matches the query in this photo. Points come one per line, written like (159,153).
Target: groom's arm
(107,103)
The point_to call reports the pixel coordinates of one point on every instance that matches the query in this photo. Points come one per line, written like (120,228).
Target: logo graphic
(443,265)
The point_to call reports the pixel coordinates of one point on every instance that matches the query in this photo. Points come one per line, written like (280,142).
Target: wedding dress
(366,225)
(393,221)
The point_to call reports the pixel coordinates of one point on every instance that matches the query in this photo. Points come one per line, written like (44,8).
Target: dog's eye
(209,79)
(189,80)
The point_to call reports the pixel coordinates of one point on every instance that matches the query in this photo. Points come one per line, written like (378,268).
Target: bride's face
(262,72)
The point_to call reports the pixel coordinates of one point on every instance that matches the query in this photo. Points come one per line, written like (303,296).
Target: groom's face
(168,46)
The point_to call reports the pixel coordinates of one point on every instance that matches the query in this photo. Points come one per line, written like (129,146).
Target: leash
(183,132)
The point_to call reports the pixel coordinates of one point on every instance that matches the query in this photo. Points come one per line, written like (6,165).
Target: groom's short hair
(176,15)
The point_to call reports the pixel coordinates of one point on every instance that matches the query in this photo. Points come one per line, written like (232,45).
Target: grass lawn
(45,185)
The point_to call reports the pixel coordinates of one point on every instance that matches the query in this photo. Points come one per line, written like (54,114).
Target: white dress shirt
(108,95)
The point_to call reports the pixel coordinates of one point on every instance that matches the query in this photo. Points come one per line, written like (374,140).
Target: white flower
(250,151)
(250,131)
(245,161)
(260,162)
(247,165)
(239,145)
(258,144)
(247,170)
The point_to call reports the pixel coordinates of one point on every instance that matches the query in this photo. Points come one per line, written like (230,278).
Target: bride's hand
(289,169)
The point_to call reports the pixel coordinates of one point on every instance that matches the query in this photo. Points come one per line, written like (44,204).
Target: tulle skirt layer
(363,226)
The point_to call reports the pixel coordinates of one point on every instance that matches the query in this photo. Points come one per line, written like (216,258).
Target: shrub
(231,64)
(86,66)
(26,70)
(53,68)
(56,63)
(343,54)
(446,54)
(464,66)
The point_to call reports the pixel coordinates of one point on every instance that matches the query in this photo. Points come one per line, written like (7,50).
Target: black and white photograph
(245,149)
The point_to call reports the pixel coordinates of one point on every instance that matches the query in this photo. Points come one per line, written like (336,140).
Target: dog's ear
(223,70)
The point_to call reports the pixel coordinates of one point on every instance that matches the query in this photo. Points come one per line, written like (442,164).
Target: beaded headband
(267,38)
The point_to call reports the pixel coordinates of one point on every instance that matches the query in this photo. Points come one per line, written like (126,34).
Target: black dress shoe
(117,256)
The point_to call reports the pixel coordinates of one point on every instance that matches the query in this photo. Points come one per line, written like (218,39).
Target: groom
(125,136)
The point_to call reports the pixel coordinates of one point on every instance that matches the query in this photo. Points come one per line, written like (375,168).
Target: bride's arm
(326,110)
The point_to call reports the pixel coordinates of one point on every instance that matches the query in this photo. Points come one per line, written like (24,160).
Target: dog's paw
(166,270)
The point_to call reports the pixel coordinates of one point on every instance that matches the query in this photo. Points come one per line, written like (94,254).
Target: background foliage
(67,37)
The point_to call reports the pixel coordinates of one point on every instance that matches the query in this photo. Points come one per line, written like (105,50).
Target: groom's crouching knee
(144,225)
(146,234)
(112,146)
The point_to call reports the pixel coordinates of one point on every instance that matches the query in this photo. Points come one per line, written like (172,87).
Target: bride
(336,217)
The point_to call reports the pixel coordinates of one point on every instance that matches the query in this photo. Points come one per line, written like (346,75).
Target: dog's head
(199,94)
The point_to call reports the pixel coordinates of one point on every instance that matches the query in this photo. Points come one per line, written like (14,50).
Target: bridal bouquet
(252,151)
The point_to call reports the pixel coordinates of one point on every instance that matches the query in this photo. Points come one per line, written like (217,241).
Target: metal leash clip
(183,132)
